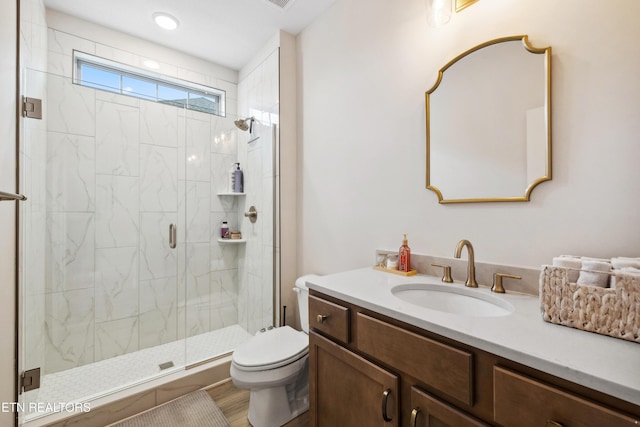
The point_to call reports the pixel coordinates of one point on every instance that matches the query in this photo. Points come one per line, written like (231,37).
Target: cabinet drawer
(427,410)
(330,318)
(442,367)
(524,402)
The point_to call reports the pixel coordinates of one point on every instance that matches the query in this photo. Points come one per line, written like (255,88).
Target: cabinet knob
(385,399)
(320,318)
(551,423)
(414,417)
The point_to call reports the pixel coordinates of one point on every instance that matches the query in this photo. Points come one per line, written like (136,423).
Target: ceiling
(226,32)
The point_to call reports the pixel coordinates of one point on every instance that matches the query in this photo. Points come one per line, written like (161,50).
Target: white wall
(288,181)
(8,29)
(121,47)
(363,69)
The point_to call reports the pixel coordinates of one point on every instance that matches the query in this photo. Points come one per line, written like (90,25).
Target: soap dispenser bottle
(238,180)
(404,256)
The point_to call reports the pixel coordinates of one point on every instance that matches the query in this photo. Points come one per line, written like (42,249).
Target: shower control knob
(252,214)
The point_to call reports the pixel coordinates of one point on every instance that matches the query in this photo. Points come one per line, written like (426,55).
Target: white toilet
(274,365)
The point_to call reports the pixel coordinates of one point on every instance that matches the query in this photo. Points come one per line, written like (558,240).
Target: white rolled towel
(591,277)
(625,262)
(571,263)
(632,271)
(586,258)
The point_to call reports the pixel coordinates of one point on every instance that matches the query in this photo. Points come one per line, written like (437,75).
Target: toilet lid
(271,349)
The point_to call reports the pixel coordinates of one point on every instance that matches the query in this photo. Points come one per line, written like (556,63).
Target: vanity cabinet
(347,389)
(367,369)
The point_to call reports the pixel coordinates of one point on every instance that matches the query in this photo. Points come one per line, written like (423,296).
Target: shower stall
(123,274)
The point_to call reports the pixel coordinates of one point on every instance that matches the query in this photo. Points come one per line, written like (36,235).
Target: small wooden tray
(401,273)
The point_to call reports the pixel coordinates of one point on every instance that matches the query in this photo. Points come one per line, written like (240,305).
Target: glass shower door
(124,275)
(100,268)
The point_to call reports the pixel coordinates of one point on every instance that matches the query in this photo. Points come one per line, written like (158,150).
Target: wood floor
(234,404)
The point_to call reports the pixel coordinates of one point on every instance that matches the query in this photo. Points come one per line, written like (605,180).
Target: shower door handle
(11,196)
(173,236)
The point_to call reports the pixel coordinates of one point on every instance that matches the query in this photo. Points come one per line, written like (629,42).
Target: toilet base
(275,406)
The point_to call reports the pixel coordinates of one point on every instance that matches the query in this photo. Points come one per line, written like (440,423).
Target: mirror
(489,123)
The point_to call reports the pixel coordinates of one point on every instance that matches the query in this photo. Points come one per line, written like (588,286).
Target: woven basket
(613,312)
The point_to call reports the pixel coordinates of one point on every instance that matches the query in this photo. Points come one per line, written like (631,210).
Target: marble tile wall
(258,97)
(114,172)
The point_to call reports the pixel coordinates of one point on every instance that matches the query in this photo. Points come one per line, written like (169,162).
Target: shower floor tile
(98,379)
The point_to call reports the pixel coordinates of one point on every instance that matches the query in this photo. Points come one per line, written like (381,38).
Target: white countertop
(599,362)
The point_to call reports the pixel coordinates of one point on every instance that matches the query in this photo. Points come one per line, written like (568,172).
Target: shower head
(241,124)
(245,124)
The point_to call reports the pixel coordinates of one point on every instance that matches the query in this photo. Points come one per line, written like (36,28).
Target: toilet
(274,366)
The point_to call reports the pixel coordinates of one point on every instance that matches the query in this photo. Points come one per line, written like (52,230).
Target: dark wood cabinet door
(347,390)
(525,402)
(429,411)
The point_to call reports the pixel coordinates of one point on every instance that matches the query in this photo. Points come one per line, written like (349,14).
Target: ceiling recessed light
(166,21)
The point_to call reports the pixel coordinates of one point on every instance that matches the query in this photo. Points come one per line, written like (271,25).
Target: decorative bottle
(404,256)
(238,180)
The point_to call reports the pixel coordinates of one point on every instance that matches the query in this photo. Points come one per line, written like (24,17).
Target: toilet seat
(271,349)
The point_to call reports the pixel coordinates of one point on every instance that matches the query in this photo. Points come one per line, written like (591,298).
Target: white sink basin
(453,299)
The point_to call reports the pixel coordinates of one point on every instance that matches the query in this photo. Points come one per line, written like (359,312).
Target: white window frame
(80,58)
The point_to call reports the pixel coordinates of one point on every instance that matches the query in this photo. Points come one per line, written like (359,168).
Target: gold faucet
(471,274)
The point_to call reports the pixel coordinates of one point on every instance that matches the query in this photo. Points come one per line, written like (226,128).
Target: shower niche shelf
(228,193)
(232,241)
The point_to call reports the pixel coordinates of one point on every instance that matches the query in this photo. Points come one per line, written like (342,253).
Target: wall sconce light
(439,12)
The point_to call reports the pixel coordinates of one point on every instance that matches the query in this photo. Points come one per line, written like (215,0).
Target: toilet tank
(303,300)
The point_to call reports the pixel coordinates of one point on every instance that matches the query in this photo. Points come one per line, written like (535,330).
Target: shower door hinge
(31,108)
(30,380)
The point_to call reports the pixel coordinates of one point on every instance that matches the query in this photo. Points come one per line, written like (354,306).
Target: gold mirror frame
(527,45)
(462,4)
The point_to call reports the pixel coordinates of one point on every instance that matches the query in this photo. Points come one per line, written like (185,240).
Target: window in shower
(99,73)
